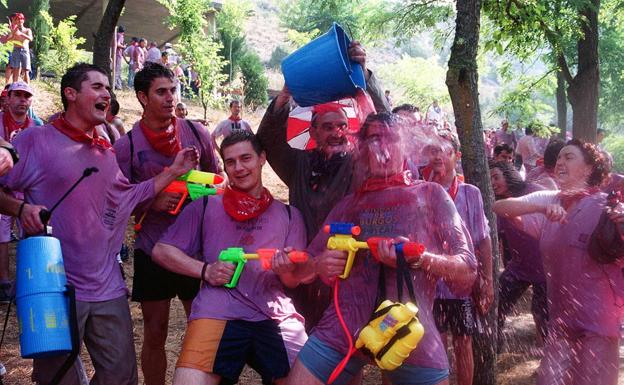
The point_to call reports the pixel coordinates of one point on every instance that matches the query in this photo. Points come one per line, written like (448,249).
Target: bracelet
(203,272)
(21,209)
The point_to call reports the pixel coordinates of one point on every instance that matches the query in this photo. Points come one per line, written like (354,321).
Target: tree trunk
(583,91)
(562,106)
(462,83)
(104,36)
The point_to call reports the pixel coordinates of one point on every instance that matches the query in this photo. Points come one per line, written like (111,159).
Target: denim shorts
(321,360)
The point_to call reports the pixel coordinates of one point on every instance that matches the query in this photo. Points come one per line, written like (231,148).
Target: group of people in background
(285,322)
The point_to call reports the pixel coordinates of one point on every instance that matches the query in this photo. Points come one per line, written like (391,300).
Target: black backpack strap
(194,129)
(403,274)
(131,176)
(201,226)
(289,213)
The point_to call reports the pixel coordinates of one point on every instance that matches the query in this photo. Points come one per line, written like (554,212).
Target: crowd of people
(290,323)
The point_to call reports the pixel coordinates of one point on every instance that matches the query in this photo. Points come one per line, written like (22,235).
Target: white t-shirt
(153,55)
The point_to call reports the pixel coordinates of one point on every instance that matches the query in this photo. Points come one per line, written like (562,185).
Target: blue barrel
(321,71)
(42,306)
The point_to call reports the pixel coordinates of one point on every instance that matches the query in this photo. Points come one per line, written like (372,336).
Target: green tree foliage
(230,27)
(255,83)
(40,27)
(615,145)
(278,54)
(419,80)
(198,48)
(528,98)
(611,113)
(63,46)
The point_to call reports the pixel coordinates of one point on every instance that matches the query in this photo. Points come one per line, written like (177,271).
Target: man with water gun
(90,223)
(250,321)
(145,151)
(388,204)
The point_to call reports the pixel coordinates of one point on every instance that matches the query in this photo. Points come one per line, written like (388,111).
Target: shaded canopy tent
(141,18)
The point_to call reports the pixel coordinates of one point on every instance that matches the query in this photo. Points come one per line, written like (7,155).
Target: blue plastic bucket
(43,325)
(42,306)
(321,71)
(40,266)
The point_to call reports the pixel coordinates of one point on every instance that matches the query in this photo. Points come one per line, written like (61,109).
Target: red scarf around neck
(376,184)
(235,118)
(12,126)
(242,206)
(166,142)
(78,135)
(568,198)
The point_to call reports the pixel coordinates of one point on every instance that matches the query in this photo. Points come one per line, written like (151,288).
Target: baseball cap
(168,45)
(21,86)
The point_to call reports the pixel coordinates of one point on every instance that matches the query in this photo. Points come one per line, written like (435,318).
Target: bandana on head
(242,206)
(12,127)
(166,142)
(325,108)
(403,179)
(78,135)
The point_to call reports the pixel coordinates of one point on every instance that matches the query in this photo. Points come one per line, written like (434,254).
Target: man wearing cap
(20,36)
(316,179)
(12,121)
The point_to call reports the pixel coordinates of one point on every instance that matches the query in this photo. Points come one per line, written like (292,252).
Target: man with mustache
(316,179)
(90,223)
(145,151)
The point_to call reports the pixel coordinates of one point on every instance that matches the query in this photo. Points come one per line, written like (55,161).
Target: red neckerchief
(242,206)
(235,118)
(166,142)
(567,199)
(11,126)
(78,135)
(376,184)
(428,174)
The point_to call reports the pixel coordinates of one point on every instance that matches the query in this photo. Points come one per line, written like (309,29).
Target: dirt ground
(516,364)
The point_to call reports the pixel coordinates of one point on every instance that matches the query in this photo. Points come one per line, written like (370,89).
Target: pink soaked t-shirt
(147,163)
(204,232)
(424,213)
(91,222)
(583,295)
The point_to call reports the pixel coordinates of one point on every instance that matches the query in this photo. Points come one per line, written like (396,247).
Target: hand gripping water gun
(392,334)
(238,257)
(193,184)
(342,239)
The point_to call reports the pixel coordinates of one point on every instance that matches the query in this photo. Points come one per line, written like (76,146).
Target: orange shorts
(224,347)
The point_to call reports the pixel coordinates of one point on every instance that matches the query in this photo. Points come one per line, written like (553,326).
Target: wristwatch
(13,153)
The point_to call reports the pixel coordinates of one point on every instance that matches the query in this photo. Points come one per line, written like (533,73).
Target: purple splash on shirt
(92,221)
(259,294)
(583,295)
(147,163)
(424,213)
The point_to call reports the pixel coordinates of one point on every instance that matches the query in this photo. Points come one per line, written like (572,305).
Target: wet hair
(164,54)
(114,107)
(134,39)
(382,117)
(406,107)
(234,101)
(144,78)
(141,39)
(515,184)
(121,29)
(503,147)
(595,158)
(74,77)
(181,105)
(238,136)
(552,152)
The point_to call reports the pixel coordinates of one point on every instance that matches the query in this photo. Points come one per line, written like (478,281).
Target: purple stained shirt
(469,205)
(424,213)
(91,222)
(259,294)
(583,295)
(501,137)
(147,163)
